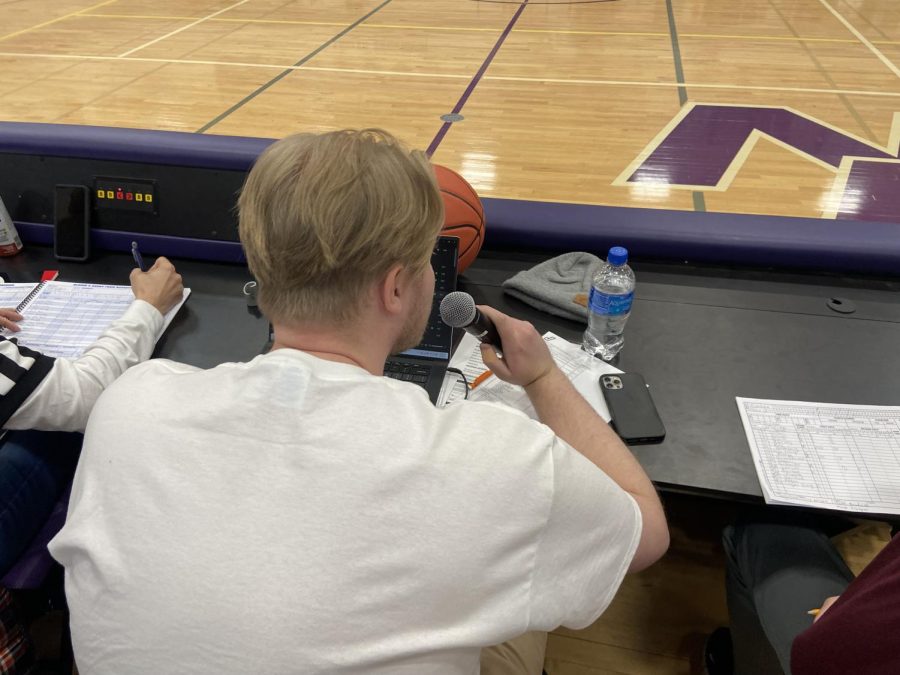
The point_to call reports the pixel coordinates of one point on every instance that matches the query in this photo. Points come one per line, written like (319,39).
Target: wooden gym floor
(605,102)
(589,102)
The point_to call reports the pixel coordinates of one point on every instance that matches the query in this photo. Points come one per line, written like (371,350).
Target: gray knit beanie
(559,286)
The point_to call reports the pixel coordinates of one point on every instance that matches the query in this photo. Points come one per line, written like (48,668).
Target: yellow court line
(397,73)
(862,38)
(463,29)
(166,17)
(296,22)
(637,83)
(786,38)
(239,64)
(59,18)
(452,76)
(412,26)
(161,17)
(713,36)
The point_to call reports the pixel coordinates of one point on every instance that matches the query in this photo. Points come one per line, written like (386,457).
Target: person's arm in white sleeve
(527,362)
(63,398)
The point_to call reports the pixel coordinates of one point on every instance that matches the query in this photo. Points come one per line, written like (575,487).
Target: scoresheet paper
(64,319)
(832,456)
(582,370)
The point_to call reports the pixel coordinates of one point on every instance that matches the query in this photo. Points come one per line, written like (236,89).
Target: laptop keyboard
(407,372)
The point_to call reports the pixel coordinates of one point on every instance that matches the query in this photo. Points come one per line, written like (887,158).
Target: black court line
(697,196)
(249,97)
(475,80)
(676,54)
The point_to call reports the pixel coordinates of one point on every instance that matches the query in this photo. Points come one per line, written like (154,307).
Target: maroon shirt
(860,632)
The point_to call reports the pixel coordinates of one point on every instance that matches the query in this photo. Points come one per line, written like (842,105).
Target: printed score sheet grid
(67,319)
(842,457)
(582,370)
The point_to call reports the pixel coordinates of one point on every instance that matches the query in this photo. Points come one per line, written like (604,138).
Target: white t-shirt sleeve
(591,535)
(65,397)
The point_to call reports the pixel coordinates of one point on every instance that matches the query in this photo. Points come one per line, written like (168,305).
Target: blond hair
(323,216)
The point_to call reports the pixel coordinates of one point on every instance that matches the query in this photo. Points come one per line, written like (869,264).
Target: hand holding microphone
(526,357)
(458,310)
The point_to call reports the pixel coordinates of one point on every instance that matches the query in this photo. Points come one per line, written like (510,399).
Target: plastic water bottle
(609,305)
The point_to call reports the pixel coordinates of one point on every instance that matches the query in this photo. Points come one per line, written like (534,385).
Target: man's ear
(392,289)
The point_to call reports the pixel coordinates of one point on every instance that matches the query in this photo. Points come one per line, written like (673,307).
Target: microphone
(458,310)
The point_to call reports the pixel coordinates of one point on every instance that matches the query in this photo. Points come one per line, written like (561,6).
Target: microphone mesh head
(458,309)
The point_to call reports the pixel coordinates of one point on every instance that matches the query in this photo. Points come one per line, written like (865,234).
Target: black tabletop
(702,336)
(699,336)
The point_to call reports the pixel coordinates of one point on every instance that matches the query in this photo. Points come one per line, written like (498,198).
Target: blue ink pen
(136,254)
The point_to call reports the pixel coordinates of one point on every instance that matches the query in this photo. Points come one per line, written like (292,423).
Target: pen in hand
(816,614)
(136,254)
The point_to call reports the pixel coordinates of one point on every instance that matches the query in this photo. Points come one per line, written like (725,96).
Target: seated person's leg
(35,467)
(776,574)
(523,655)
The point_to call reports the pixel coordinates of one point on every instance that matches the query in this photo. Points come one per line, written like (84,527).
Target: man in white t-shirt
(301,513)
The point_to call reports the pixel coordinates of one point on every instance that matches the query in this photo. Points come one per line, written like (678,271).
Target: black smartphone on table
(634,415)
(71,222)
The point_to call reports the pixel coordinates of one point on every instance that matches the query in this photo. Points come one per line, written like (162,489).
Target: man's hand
(160,285)
(8,318)
(825,605)
(526,357)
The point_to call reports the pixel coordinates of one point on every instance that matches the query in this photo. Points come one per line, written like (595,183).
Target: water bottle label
(601,303)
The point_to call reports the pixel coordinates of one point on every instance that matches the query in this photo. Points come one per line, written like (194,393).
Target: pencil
(814,612)
(481,378)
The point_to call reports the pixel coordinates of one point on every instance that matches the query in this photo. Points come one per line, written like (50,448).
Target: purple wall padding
(811,243)
(770,241)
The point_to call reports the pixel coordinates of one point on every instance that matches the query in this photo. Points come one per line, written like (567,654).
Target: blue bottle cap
(618,255)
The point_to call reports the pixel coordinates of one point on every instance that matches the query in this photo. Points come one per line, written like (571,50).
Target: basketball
(463,214)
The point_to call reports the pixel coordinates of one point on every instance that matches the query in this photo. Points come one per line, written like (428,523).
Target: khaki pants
(522,656)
